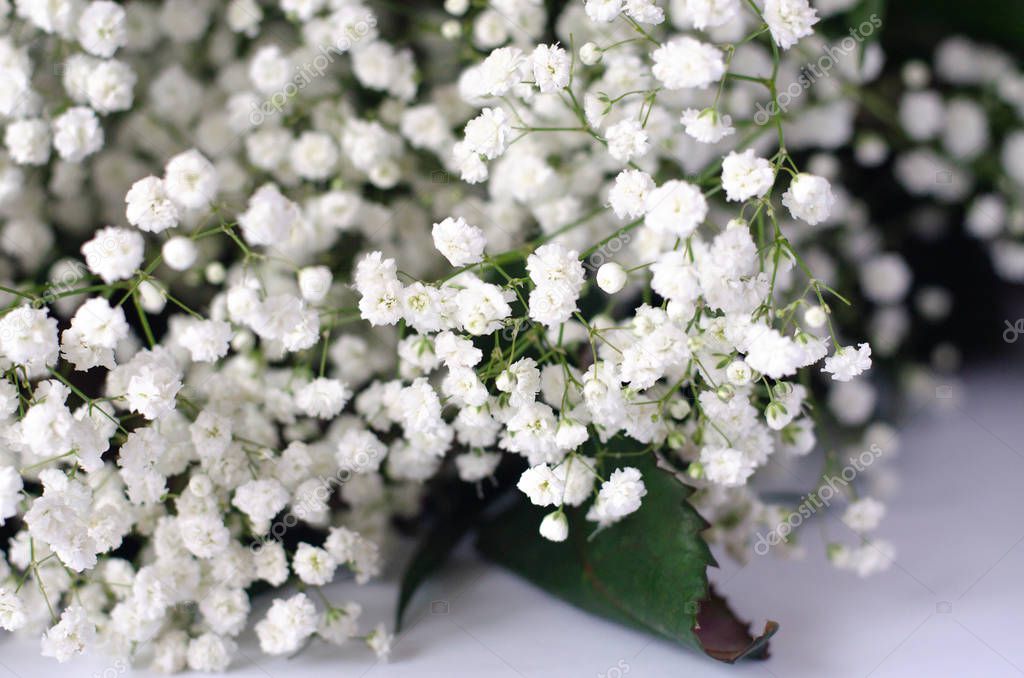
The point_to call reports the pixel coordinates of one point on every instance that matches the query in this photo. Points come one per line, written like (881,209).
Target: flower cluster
(247,316)
(957,115)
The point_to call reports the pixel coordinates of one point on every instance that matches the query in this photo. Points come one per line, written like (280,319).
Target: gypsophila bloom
(460,243)
(675,207)
(626,140)
(12,611)
(102,28)
(288,624)
(487,134)
(322,398)
(611,277)
(28,336)
(72,635)
(789,20)
(28,141)
(550,67)
(619,496)
(314,565)
(629,194)
(725,466)
(809,198)
(149,207)
(745,176)
(262,366)
(848,362)
(114,253)
(685,62)
(707,126)
(864,515)
(190,180)
(77,134)
(555,526)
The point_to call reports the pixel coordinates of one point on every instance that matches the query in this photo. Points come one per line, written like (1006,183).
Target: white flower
(380,642)
(476,467)
(28,336)
(772,354)
(313,565)
(726,466)
(109,86)
(77,133)
(554,526)
(28,141)
(179,253)
(684,62)
(848,362)
(204,535)
(314,155)
(190,180)
(149,207)
(315,283)
(809,198)
(676,207)
(501,70)
(789,20)
(211,653)
(708,13)
(626,140)
(460,243)
(864,515)
(746,176)
(114,253)
(10,495)
(206,340)
(619,496)
(12,611)
(288,624)
(707,126)
(645,11)
(72,635)
(629,194)
(270,217)
(550,67)
(558,275)
(225,609)
(541,485)
(260,500)
(487,134)
(603,11)
(102,28)
(867,559)
(611,277)
(323,398)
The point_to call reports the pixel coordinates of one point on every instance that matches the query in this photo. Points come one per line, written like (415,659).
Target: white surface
(951,606)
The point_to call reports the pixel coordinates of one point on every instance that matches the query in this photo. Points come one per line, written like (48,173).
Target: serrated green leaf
(649,571)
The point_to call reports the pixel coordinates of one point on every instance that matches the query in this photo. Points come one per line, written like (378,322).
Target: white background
(950,606)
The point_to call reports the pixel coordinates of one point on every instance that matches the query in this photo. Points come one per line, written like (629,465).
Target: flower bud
(814,317)
(611,277)
(179,253)
(738,373)
(555,526)
(590,54)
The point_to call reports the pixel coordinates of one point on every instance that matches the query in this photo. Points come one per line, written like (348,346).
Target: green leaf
(649,571)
